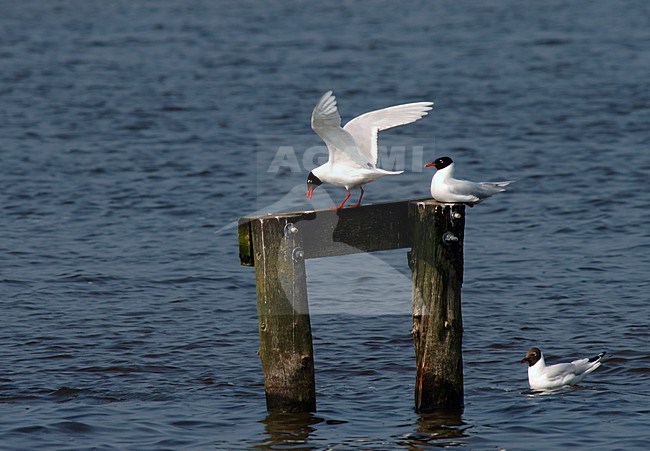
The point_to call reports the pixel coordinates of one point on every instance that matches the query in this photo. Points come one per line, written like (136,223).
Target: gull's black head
(532,356)
(440,163)
(313,180)
(312,183)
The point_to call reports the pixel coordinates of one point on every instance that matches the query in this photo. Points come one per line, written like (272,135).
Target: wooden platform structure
(277,245)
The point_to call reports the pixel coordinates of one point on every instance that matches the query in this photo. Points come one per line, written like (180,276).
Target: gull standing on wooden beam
(353,149)
(445,188)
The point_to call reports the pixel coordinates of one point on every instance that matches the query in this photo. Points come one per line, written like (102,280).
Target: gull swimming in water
(543,377)
(353,148)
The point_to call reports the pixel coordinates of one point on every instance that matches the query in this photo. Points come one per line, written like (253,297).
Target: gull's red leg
(360,196)
(339,206)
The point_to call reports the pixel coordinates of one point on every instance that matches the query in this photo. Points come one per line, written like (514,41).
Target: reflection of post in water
(287,429)
(278,244)
(442,428)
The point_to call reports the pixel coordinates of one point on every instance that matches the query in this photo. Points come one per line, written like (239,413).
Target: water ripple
(132,133)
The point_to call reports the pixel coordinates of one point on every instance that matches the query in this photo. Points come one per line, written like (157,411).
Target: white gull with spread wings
(353,148)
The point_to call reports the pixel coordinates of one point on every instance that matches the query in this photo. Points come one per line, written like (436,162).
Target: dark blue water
(132,135)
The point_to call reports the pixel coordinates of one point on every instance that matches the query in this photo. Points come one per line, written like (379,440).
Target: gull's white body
(353,148)
(543,377)
(445,188)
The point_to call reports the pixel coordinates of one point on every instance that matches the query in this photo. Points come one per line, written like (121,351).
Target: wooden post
(436,260)
(283,315)
(278,244)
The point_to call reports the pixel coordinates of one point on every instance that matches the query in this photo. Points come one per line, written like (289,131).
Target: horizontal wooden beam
(326,233)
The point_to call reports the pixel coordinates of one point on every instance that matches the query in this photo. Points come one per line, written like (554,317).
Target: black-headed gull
(353,148)
(542,377)
(445,188)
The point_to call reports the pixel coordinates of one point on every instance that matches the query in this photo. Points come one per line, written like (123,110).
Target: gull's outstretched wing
(326,122)
(364,128)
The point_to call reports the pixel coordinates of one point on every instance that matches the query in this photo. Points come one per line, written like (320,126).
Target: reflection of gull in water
(291,201)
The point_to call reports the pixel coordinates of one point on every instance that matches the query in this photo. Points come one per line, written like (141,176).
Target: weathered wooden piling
(285,348)
(436,262)
(278,244)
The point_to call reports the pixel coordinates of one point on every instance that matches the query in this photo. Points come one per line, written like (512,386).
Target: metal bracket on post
(449,237)
(290,230)
(297,254)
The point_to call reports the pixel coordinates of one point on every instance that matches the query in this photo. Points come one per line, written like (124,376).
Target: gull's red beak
(310,191)
(524,360)
(428,165)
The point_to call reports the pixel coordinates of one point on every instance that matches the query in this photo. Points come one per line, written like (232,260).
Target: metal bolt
(449,237)
(304,361)
(290,230)
(456,215)
(298,254)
